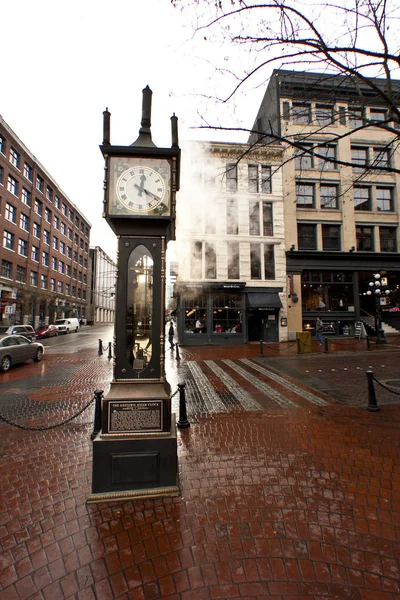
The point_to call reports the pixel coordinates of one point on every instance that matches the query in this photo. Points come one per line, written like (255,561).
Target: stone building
(231,284)
(103,278)
(44,250)
(341,196)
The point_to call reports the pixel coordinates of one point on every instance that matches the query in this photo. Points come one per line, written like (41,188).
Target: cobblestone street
(289,486)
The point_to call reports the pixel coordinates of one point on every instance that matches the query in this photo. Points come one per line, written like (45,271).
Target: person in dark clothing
(171,335)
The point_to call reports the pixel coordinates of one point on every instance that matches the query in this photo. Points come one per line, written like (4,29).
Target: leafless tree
(354,39)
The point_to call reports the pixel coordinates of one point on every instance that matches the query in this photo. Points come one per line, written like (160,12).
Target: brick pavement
(290,502)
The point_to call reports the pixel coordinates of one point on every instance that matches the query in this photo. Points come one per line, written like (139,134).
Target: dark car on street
(16,349)
(46,332)
(26,330)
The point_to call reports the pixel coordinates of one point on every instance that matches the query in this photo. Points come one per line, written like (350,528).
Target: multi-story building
(341,195)
(103,278)
(231,285)
(44,249)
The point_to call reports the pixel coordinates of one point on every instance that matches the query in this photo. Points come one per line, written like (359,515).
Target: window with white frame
(304,158)
(47,215)
(63,228)
(26,197)
(24,222)
(231,177)
(362,198)
(22,247)
(20,274)
(305,195)
(359,157)
(36,230)
(43,281)
(64,209)
(35,253)
(68,270)
(328,162)
(28,171)
(384,199)
(39,183)
(52,284)
(38,207)
(6,269)
(54,263)
(11,213)
(2,145)
(46,237)
(267,219)
(34,278)
(45,258)
(59,287)
(329,196)
(49,194)
(57,202)
(381,157)
(14,158)
(67,289)
(56,222)
(62,247)
(61,266)
(12,185)
(55,242)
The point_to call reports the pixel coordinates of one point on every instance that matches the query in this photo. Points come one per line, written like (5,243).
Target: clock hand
(151,194)
(140,187)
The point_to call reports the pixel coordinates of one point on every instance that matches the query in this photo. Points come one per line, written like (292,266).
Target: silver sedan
(17,349)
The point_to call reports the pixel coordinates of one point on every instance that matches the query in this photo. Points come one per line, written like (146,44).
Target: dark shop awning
(264,300)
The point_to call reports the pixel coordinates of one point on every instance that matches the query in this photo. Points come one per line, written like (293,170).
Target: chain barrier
(385,387)
(333,341)
(27,428)
(263,344)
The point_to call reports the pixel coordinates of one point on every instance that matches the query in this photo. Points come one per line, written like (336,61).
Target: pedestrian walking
(319,327)
(171,335)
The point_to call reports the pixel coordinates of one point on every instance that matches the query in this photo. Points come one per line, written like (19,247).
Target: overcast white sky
(66,62)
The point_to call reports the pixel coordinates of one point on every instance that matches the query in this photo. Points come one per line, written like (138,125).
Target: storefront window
(327,290)
(227,312)
(195,306)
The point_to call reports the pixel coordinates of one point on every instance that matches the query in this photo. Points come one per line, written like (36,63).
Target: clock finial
(106,127)
(144,138)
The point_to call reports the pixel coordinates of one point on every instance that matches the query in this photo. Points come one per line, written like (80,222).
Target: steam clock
(135,453)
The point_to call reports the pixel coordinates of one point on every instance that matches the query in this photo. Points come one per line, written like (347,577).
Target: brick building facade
(44,250)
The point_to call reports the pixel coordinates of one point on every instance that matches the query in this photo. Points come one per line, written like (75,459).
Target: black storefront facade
(334,285)
(227,313)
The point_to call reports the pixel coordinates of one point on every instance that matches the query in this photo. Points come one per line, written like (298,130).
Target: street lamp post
(378,289)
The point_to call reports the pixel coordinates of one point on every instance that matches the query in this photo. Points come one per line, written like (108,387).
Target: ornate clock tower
(135,453)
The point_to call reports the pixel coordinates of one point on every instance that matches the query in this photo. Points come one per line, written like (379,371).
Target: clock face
(139,187)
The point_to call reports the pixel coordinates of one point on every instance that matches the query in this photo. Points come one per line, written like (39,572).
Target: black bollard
(368,343)
(109,350)
(326,342)
(183,421)
(178,356)
(298,346)
(98,394)
(100,347)
(261,348)
(372,403)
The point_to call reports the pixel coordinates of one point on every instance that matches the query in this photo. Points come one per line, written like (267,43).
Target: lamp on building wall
(378,288)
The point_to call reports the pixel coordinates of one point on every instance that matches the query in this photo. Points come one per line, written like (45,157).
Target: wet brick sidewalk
(288,492)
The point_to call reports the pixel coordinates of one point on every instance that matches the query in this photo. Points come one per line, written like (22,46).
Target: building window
(35,253)
(328,163)
(80,275)
(233,260)
(69,251)
(34,278)
(57,202)
(46,237)
(24,222)
(387,237)
(301,113)
(81,245)
(253,178)
(76,239)
(14,158)
(22,247)
(63,229)
(323,114)
(59,287)
(329,196)
(38,207)
(268,228)
(232,218)
(266,179)
(75,256)
(52,284)
(36,230)
(54,263)
(39,183)
(331,237)
(26,197)
(384,199)
(56,222)
(47,215)
(20,274)
(68,270)
(11,213)
(64,209)
(45,258)
(69,233)
(55,243)
(260,179)
(8,240)
(67,289)
(210,261)
(356,116)
(255,261)
(381,157)
(304,158)
(61,266)
(269,261)
(362,198)
(307,236)
(1,175)
(2,145)
(254,217)
(49,194)
(12,185)
(28,171)
(377,115)
(80,260)
(6,269)
(43,281)
(305,195)
(227,312)
(196,263)
(231,178)
(365,238)
(62,247)
(359,157)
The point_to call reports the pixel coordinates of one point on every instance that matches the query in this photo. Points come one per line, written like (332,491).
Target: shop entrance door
(263,325)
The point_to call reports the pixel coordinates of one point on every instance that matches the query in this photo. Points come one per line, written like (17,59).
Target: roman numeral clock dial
(140,189)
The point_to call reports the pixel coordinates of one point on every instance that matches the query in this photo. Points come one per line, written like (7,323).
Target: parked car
(46,332)
(17,349)
(25,330)
(67,325)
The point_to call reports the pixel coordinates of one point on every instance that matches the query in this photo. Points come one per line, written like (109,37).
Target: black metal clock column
(135,453)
